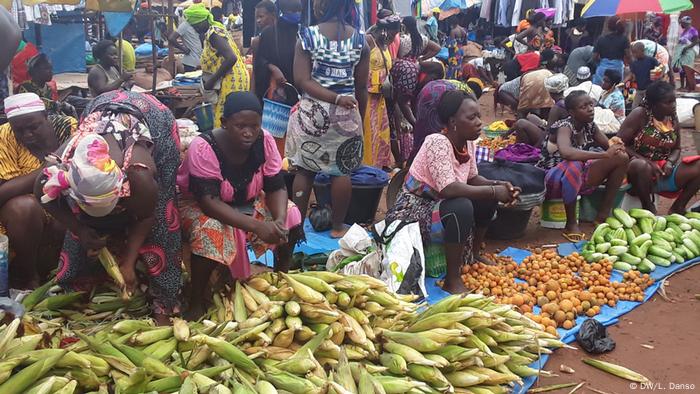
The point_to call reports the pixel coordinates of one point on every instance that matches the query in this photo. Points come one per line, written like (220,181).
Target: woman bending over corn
(113,185)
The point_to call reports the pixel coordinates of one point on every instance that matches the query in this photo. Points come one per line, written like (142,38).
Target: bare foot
(454,286)
(339,233)
(572,229)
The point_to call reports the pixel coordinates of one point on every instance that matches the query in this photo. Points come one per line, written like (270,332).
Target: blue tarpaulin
(116,21)
(63,43)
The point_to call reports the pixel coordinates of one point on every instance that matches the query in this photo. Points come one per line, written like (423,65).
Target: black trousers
(460,215)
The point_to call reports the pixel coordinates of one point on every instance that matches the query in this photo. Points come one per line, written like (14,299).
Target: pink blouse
(436,165)
(201,162)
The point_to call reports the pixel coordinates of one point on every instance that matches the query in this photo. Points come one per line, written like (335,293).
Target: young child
(641,71)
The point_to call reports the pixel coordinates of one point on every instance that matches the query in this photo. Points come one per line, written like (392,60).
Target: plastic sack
(525,176)
(606,121)
(402,257)
(593,337)
(356,240)
(371,264)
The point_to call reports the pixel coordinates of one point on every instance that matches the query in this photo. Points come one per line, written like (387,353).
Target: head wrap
(22,104)
(687,19)
(390,19)
(435,10)
(477,81)
(404,76)
(241,101)
(583,72)
(557,83)
(87,174)
(198,13)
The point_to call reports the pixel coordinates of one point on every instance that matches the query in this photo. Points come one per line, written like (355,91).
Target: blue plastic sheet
(63,43)
(607,316)
(315,243)
(116,21)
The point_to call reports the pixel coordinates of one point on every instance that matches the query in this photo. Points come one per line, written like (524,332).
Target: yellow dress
(377,134)
(236,80)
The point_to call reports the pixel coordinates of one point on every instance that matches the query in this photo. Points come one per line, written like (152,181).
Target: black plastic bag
(320,218)
(593,337)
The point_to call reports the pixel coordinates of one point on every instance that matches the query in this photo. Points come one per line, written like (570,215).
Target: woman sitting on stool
(444,192)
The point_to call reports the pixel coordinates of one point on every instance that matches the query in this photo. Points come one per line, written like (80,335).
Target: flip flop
(574,237)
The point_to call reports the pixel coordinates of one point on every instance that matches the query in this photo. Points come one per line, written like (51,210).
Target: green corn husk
(161,350)
(616,370)
(146,338)
(58,302)
(228,352)
(36,296)
(293,384)
(86,378)
(23,379)
(165,385)
(69,388)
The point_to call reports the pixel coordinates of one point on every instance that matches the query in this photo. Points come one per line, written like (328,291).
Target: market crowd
(401,96)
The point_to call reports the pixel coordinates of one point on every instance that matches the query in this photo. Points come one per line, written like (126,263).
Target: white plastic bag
(356,242)
(403,260)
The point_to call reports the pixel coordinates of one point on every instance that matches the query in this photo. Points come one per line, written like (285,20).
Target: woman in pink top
(444,191)
(234,194)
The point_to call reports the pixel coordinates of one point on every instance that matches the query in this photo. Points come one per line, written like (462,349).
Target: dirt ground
(671,327)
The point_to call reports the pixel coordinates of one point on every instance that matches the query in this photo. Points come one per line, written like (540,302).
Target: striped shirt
(333,61)
(16,160)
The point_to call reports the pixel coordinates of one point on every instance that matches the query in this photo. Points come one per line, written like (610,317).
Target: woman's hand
(277,76)
(667,169)
(347,102)
(270,233)
(90,239)
(615,150)
(209,84)
(504,194)
(128,270)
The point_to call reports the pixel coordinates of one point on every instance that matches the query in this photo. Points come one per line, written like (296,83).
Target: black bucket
(363,203)
(509,223)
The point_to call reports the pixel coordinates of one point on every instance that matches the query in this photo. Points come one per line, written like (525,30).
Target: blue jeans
(604,65)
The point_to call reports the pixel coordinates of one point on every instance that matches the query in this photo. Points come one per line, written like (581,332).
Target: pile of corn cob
(313,332)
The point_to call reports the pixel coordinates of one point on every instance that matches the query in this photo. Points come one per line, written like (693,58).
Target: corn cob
(616,370)
(36,296)
(109,263)
(22,380)
(228,352)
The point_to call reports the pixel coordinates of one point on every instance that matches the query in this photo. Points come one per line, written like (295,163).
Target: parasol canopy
(617,7)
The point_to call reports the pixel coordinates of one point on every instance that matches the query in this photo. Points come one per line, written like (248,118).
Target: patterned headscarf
(404,75)
(556,83)
(87,174)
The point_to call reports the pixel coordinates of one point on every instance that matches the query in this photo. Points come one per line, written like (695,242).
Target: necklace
(462,155)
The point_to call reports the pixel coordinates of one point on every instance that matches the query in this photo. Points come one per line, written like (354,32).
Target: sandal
(574,237)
